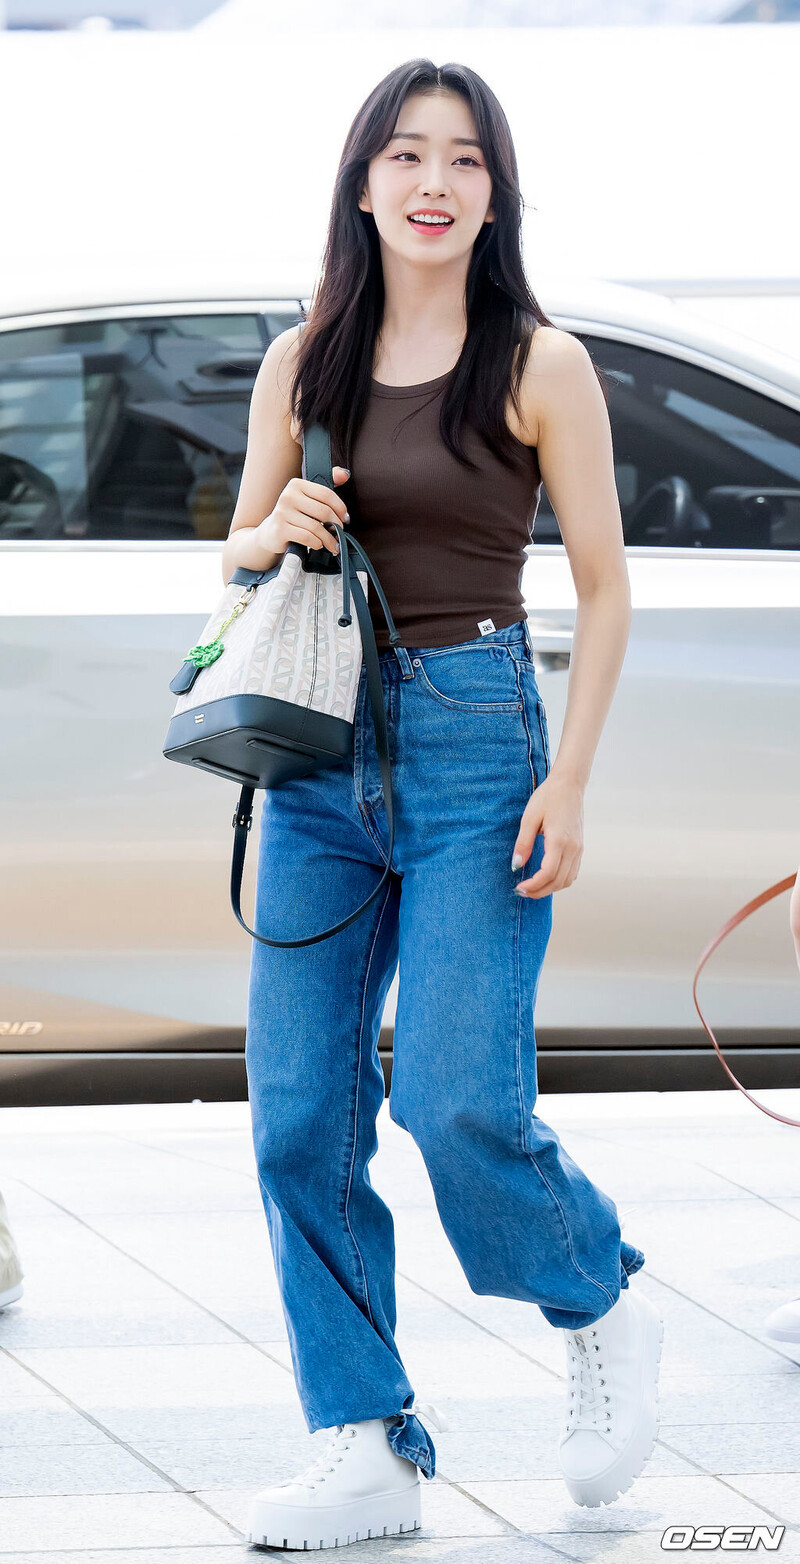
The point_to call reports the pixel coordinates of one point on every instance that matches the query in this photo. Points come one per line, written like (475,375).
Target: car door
(122,440)
(693,805)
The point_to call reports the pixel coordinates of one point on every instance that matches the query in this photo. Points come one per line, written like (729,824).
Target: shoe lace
(589,1406)
(317,1470)
(340,1439)
(430,1413)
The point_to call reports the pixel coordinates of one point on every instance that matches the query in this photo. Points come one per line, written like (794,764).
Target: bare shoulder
(558,369)
(557,358)
(276,372)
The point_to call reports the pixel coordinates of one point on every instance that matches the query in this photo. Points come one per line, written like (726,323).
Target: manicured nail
(347,515)
(517,862)
(518,891)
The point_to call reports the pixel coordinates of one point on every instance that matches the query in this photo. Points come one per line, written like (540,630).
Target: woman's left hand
(556,809)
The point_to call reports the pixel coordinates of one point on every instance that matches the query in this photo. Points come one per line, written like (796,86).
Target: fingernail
(517,861)
(347,470)
(518,891)
(347,515)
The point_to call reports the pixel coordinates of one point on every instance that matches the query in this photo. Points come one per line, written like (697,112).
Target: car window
(700,461)
(128,427)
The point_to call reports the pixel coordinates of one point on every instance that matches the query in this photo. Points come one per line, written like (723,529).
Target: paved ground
(145,1381)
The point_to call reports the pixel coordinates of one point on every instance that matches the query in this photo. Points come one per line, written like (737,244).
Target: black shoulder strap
(317,464)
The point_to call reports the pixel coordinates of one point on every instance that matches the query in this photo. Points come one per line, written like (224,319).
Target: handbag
(269,692)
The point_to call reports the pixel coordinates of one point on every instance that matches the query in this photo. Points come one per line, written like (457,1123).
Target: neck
(424,310)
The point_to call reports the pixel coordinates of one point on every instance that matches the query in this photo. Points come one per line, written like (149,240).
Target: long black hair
(336,352)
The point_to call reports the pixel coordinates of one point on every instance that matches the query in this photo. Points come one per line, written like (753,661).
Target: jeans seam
(579,1269)
(363,810)
(526,1149)
(528,1153)
(359,1057)
(529,736)
(518,1017)
(541,714)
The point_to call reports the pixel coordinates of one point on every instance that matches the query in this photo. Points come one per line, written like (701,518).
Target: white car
(122,436)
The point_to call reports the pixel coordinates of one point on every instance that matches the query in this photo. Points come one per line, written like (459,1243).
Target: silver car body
(124,972)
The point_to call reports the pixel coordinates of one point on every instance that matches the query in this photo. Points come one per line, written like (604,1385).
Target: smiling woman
(429,157)
(442,384)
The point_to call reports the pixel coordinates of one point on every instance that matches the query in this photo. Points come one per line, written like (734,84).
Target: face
(433,162)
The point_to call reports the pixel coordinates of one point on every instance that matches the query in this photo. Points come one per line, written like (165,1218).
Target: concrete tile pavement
(145,1379)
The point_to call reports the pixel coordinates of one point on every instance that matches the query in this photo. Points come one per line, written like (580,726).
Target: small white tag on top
(486,626)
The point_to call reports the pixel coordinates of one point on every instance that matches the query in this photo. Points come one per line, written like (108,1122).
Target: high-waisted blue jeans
(468,744)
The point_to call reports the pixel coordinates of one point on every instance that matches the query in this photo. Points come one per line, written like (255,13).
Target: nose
(435,191)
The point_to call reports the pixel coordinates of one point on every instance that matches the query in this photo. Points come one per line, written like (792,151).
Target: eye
(465,157)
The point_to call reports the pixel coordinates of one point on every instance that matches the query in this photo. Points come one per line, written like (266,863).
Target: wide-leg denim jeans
(468,745)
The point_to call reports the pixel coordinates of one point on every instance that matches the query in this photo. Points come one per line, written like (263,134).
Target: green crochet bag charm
(202,656)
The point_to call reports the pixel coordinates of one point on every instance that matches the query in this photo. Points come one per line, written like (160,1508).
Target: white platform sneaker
(783,1324)
(612,1399)
(356,1488)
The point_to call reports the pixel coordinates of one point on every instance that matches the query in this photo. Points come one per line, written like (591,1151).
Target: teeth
(417,217)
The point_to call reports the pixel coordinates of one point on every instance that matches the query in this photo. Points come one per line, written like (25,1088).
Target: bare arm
(275,503)
(577,464)
(565,405)
(272,458)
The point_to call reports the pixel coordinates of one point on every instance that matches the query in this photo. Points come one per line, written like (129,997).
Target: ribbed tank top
(447,543)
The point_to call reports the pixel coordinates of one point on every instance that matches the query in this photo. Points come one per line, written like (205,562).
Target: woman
(449,396)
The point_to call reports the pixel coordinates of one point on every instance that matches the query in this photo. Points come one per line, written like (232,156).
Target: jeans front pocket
(482,679)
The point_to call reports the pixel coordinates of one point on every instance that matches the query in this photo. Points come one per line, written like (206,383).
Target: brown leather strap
(739,917)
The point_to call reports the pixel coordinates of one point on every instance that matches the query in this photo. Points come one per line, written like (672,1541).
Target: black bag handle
(317,466)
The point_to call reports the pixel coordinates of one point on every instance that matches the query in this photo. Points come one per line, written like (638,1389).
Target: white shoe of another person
(11,1272)
(783,1324)
(612,1399)
(356,1488)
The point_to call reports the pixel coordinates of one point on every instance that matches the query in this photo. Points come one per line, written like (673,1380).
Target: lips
(431,228)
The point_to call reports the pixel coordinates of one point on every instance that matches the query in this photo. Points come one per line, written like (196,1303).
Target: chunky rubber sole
(334,1526)
(777,1334)
(10,1295)
(605,1488)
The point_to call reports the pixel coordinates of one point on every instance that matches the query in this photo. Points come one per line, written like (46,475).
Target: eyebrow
(414,135)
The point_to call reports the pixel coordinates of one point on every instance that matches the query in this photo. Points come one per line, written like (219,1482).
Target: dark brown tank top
(447,543)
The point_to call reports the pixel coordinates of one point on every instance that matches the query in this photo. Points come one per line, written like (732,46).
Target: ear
(363,202)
